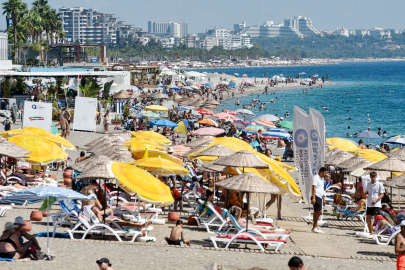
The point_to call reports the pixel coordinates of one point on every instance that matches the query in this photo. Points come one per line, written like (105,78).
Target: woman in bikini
(10,247)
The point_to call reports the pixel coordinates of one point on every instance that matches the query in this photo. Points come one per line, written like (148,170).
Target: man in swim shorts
(400,247)
(177,231)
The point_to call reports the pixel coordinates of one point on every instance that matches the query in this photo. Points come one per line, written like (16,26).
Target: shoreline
(333,62)
(258,88)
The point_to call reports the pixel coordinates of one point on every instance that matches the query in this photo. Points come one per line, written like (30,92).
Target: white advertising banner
(85,114)
(301,152)
(37,114)
(317,141)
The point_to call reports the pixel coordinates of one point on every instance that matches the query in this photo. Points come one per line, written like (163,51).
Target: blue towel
(57,235)
(7,259)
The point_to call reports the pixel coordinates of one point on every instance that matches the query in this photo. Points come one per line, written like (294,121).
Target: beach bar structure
(75,52)
(138,71)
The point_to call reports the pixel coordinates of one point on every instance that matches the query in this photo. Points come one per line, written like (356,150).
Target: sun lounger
(246,238)
(238,228)
(66,216)
(84,226)
(214,220)
(384,239)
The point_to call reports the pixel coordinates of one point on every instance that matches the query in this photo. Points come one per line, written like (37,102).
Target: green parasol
(286,124)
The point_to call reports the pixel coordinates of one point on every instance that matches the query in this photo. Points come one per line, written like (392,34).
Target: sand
(75,254)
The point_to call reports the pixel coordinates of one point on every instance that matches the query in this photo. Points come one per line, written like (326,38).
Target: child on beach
(175,234)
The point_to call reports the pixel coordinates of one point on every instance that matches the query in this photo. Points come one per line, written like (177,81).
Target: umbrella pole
(278,199)
(47,229)
(104,203)
(118,194)
(247,216)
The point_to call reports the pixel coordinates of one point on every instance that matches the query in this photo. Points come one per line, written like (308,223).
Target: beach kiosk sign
(37,114)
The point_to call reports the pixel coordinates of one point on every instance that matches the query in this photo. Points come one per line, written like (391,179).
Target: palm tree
(14,9)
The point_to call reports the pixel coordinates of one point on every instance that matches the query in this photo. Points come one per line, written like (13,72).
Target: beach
(338,248)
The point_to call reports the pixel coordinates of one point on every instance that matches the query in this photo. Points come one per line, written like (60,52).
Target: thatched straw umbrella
(212,102)
(12,150)
(159,95)
(196,148)
(90,162)
(123,94)
(390,164)
(338,158)
(332,152)
(362,164)
(399,154)
(350,162)
(243,159)
(216,151)
(199,141)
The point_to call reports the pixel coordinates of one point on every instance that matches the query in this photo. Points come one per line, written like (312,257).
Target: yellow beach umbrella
(144,145)
(156,108)
(62,142)
(272,161)
(161,166)
(37,130)
(143,140)
(60,154)
(370,155)
(43,151)
(142,184)
(151,135)
(343,144)
(15,132)
(152,153)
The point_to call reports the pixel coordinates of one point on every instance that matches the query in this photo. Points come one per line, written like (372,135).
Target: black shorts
(373,211)
(176,243)
(318,203)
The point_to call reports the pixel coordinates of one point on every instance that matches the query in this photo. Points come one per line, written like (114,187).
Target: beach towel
(45,205)
(7,259)
(204,207)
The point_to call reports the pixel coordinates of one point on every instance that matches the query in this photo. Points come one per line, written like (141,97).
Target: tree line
(32,23)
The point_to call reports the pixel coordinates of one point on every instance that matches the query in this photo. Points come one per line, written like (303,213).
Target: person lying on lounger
(237,212)
(177,231)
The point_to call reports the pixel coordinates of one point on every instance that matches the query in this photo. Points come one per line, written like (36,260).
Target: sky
(204,14)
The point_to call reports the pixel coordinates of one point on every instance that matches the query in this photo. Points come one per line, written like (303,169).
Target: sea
(371,94)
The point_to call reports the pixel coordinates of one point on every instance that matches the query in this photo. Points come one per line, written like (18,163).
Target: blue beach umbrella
(232,84)
(174,88)
(48,194)
(163,123)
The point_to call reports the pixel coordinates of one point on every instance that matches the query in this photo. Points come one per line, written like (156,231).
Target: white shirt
(319,183)
(374,191)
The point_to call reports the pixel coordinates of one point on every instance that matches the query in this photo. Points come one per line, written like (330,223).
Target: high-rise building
(190,41)
(167,28)
(84,24)
(218,32)
(296,27)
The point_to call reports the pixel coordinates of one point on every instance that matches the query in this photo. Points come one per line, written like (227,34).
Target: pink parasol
(208,131)
(226,116)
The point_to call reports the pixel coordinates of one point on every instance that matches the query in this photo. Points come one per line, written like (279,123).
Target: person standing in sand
(400,247)
(107,121)
(317,197)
